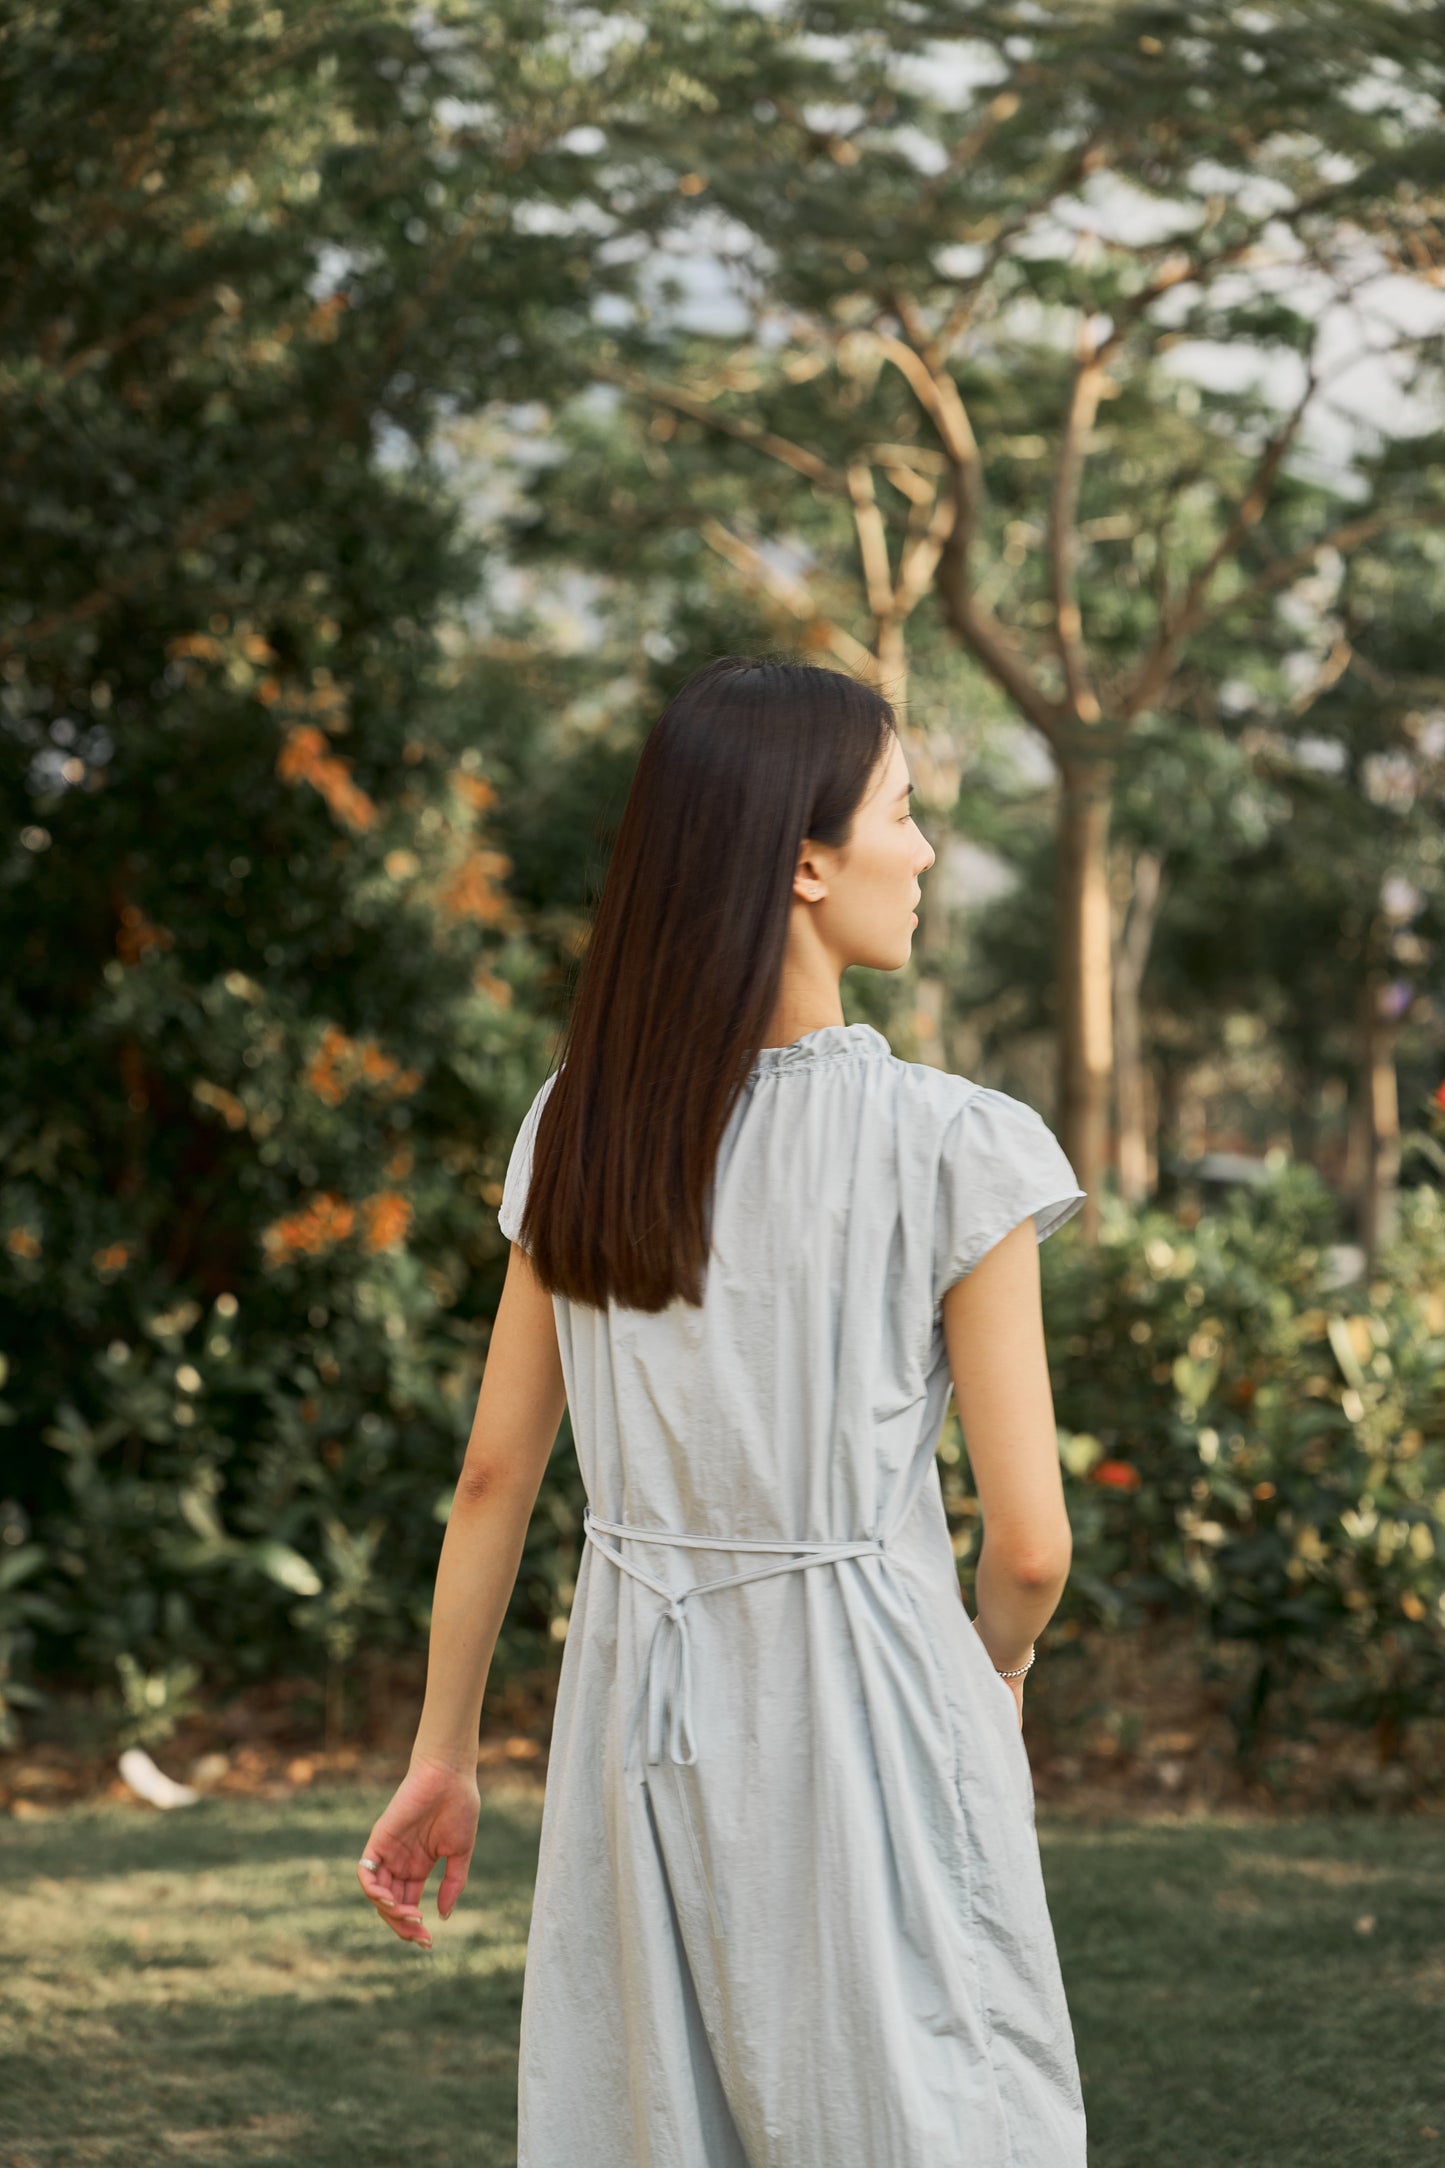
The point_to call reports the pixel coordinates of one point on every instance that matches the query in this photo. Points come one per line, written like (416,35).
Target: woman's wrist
(1005,1651)
(1016,1671)
(449,1755)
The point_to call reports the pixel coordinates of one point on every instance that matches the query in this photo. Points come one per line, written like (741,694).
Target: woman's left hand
(433,1815)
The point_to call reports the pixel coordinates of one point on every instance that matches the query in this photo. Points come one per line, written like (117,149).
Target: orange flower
(137,936)
(322,1075)
(339,1062)
(23,1242)
(381,1222)
(324,321)
(1117,1475)
(387,1217)
(221,1102)
(477,792)
(197,646)
(474,890)
(111,1260)
(305,757)
(318,1226)
(376,1067)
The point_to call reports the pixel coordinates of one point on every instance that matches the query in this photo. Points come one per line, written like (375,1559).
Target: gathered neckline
(825,1043)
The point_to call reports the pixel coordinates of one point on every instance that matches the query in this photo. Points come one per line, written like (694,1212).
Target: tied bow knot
(665,1694)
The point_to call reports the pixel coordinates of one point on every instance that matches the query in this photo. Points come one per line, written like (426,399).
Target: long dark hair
(681,973)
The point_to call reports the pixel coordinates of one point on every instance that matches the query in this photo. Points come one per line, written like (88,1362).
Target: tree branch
(995,647)
(938,348)
(872,541)
(791,593)
(1088,383)
(919,558)
(672,396)
(971,618)
(940,399)
(1330,671)
(1339,538)
(1144,685)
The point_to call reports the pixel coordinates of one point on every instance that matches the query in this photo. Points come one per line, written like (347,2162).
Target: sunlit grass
(209,1986)
(1256,1995)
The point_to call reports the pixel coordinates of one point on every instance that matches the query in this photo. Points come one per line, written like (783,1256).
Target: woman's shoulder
(952,1106)
(928,1091)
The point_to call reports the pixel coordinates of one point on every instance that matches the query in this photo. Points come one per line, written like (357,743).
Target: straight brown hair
(681,974)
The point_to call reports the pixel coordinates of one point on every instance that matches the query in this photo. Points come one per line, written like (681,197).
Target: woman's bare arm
(994,1330)
(515,1427)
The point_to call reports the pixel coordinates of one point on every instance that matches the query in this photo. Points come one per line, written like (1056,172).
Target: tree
(970,254)
(269,1003)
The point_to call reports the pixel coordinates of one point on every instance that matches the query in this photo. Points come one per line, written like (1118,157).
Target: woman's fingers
(454,1881)
(368,1877)
(433,1817)
(388,1894)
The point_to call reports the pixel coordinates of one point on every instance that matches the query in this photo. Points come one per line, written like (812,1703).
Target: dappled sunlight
(224,1956)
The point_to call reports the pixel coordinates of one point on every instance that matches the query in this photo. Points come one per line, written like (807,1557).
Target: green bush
(276,987)
(1247,1444)
(1244,1446)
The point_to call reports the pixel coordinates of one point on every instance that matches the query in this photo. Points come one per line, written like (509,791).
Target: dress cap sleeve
(1000,1163)
(519,1167)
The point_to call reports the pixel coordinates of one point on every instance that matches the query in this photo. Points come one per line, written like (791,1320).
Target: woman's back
(789,1908)
(851,1189)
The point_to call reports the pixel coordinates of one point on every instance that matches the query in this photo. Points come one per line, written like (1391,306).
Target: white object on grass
(152,1784)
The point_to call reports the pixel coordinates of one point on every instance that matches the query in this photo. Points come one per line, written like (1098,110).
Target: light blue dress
(789,1910)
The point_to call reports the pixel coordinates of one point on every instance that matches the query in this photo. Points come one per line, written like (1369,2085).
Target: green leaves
(1284,1442)
(287,1568)
(261,953)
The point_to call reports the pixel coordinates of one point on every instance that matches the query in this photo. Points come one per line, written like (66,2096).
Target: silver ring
(373,1864)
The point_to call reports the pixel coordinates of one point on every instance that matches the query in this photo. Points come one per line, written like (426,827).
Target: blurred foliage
(1253,1446)
(270,1011)
(855,240)
(301,825)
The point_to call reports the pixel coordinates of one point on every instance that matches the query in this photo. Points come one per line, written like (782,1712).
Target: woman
(789,1911)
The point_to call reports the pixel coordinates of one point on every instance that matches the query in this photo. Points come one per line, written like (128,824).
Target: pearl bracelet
(1019,1670)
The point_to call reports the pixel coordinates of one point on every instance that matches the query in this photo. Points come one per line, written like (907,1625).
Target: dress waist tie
(666,1696)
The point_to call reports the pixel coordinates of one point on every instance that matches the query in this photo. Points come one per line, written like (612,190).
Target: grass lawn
(209,1987)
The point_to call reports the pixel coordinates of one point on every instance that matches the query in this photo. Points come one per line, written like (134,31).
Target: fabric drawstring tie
(665,1693)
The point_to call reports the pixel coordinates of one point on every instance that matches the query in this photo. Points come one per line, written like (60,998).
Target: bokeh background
(398,404)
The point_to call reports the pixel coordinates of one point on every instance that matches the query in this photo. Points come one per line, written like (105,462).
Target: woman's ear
(809,880)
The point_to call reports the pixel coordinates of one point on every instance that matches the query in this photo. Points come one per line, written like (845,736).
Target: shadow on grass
(1252,1995)
(118,1838)
(211,1986)
(426,2075)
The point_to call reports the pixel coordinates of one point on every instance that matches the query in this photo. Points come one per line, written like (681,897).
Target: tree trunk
(1166,1124)
(935,763)
(1085,974)
(1131,1110)
(930,952)
(1375,1129)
